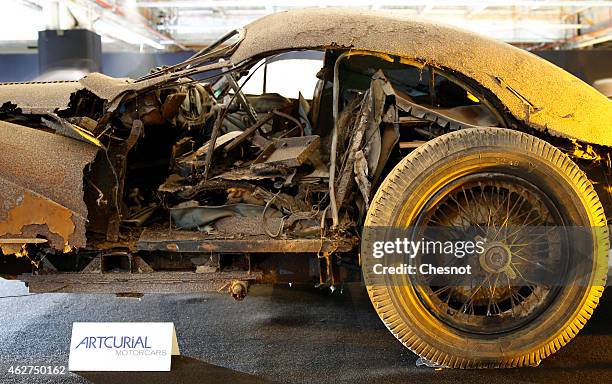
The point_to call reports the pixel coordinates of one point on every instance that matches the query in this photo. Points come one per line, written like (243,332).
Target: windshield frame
(204,56)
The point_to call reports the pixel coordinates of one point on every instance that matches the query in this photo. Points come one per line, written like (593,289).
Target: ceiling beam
(140,21)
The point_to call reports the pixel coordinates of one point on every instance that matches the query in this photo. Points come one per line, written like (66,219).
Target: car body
(179,182)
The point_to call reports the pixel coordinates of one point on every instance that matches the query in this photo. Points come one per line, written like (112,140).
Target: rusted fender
(532,89)
(41,186)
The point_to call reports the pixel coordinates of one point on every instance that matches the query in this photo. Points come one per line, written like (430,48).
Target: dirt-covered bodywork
(87,165)
(180,182)
(530,90)
(67,147)
(533,90)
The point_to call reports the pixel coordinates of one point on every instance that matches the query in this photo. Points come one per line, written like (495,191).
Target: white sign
(122,346)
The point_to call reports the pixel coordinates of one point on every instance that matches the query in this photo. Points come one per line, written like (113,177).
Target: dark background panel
(588,65)
(18,67)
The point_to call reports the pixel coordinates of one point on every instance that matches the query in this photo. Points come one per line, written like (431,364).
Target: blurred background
(64,39)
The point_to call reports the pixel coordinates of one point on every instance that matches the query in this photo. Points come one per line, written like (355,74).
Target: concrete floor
(277,334)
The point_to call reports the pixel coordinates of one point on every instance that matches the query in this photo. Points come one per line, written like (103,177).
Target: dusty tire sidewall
(459,154)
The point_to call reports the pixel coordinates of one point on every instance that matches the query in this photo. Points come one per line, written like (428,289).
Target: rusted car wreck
(180,182)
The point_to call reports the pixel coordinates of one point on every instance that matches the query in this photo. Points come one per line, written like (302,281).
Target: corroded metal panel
(41,185)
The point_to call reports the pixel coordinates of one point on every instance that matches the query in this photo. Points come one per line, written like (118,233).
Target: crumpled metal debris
(289,152)
(422,362)
(193,161)
(362,155)
(66,128)
(361,177)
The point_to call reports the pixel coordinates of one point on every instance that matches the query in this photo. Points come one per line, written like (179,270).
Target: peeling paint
(33,209)
(41,185)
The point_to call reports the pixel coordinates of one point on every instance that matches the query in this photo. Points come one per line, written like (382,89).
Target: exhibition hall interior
(306,191)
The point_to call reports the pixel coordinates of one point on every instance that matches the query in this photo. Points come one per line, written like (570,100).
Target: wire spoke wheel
(506,290)
(533,286)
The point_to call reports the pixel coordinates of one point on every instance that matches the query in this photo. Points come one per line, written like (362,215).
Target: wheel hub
(495,258)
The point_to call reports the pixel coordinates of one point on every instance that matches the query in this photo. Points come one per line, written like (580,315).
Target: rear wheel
(503,186)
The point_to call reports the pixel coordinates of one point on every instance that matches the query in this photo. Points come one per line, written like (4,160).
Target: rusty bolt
(238,289)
